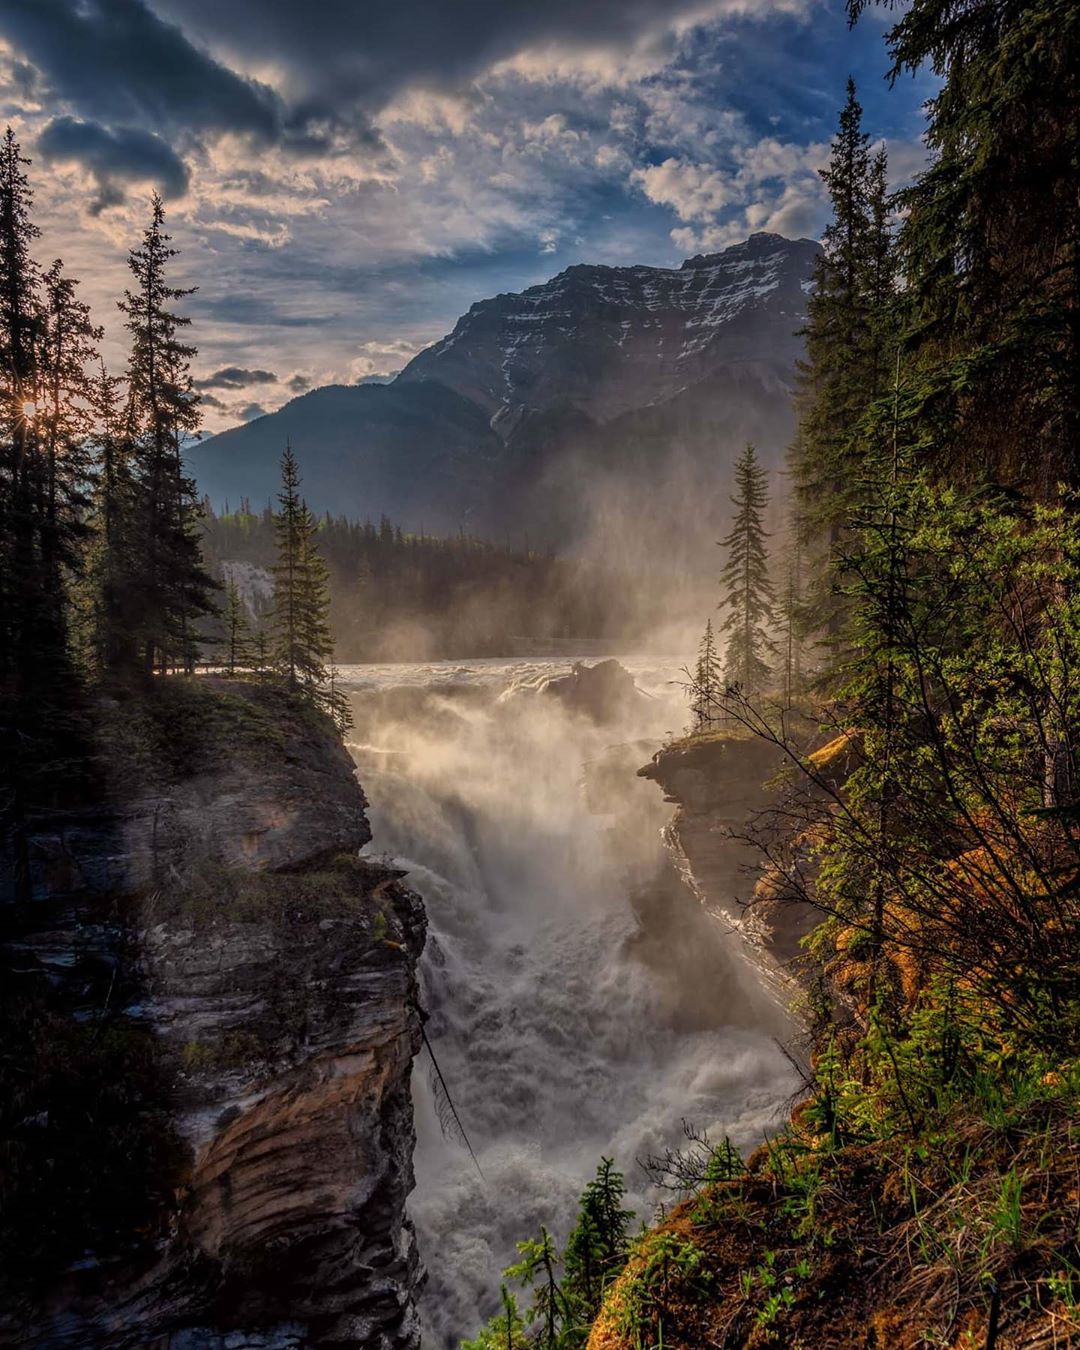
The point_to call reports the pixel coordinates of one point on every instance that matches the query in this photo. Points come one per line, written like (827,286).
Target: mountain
(604,393)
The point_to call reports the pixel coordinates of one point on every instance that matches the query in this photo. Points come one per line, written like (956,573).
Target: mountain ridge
(520,415)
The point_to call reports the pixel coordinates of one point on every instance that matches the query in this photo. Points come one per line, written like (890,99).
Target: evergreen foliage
(596,1249)
(174,589)
(849,333)
(791,617)
(302,648)
(990,246)
(240,650)
(706,684)
(561,1311)
(45,336)
(747,587)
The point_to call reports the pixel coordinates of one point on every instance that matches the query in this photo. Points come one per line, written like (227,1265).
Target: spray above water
(565,1029)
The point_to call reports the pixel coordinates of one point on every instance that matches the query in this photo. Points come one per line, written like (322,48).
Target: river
(563,1029)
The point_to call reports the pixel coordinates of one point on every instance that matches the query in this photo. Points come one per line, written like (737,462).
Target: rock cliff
(224,1017)
(719,784)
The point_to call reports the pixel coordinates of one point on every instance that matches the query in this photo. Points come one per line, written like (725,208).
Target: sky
(345,178)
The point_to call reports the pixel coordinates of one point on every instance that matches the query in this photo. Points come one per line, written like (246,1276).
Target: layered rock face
(719,786)
(609,339)
(225,918)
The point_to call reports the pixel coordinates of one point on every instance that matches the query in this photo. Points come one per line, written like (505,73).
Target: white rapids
(563,1032)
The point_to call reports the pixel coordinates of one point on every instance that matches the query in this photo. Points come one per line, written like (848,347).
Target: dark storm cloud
(342,51)
(235,377)
(118,62)
(151,63)
(114,157)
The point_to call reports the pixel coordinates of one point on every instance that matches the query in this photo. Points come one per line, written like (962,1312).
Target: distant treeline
(400,596)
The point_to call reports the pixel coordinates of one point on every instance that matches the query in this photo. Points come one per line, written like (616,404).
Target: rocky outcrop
(225,920)
(604,693)
(719,783)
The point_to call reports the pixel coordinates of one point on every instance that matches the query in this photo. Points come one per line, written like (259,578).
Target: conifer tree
(174,589)
(505,1331)
(302,646)
(850,318)
(536,1271)
(261,651)
(21,590)
(790,615)
(596,1250)
(748,589)
(238,643)
(45,339)
(990,245)
(113,568)
(706,686)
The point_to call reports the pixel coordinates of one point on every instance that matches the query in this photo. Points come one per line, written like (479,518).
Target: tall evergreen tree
(990,246)
(748,590)
(112,589)
(706,685)
(596,1249)
(174,589)
(239,647)
(849,318)
(790,615)
(21,589)
(302,646)
(45,339)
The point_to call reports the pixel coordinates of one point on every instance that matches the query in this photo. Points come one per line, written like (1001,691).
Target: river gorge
(582,1003)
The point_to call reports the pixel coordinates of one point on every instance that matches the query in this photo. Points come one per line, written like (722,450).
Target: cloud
(298,383)
(693,191)
(127,155)
(251,411)
(235,377)
(381,360)
(117,62)
(766,184)
(327,56)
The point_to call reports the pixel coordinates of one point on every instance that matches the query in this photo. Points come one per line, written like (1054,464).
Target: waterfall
(565,1030)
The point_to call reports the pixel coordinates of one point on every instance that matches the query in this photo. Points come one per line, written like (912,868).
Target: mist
(581,1004)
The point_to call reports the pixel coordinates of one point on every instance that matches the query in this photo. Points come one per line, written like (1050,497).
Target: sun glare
(29,408)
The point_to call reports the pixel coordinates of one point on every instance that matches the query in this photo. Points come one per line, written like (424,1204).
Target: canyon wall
(721,786)
(220,1156)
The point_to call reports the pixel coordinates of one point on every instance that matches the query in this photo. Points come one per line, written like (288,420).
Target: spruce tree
(748,589)
(790,615)
(596,1250)
(239,648)
(990,245)
(850,318)
(114,554)
(45,339)
(22,592)
(706,685)
(174,590)
(302,646)
(536,1271)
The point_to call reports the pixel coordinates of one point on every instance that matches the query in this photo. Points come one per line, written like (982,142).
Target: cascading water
(565,1031)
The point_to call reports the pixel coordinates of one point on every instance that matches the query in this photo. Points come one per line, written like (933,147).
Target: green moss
(179,727)
(232,1051)
(210,893)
